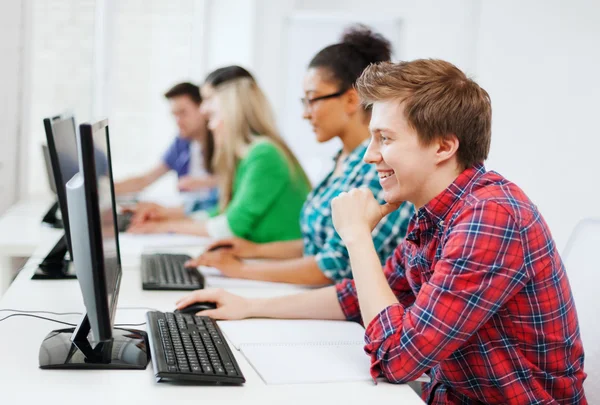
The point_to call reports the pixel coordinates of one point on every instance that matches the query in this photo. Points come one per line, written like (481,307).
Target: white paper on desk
(286,351)
(215,279)
(287,331)
(303,364)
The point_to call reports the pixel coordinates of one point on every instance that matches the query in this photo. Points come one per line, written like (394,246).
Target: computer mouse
(196,307)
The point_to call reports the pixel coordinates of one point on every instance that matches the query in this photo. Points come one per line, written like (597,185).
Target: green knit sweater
(267,196)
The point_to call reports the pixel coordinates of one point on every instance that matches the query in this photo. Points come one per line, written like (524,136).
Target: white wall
(430,28)
(10,49)
(539,60)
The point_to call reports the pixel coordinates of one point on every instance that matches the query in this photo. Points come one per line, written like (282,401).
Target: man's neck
(437,183)
(196,136)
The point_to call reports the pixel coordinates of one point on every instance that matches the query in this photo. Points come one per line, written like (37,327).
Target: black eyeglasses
(307,102)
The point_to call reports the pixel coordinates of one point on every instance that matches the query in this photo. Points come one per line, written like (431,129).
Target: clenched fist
(357,211)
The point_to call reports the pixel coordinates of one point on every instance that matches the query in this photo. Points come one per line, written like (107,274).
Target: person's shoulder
(179,143)
(263,147)
(493,192)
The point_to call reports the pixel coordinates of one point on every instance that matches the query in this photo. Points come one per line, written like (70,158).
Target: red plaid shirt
(484,306)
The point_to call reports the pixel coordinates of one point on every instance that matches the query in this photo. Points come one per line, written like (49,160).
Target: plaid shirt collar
(435,211)
(354,158)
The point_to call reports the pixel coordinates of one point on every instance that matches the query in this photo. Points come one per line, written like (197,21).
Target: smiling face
(211,111)
(406,166)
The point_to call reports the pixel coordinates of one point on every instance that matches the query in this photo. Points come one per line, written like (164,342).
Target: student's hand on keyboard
(221,259)
(236,246)
(229,306)
(147,211)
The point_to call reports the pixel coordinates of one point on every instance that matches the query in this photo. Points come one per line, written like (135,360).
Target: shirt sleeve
(170,156)
(218,227)
(396,277)
(480,268)
(266,174)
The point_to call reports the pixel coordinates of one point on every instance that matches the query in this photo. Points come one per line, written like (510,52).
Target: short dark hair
(227,74)
(185,89)
(439,99)
(346,60)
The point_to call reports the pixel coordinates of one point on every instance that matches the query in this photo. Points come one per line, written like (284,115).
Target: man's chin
(392,197)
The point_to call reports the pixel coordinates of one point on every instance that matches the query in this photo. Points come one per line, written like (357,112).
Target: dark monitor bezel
(105,310)
(61,190)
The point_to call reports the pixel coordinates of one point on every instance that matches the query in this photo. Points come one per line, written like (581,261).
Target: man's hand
(229,306)
(147,211)
(227,263)
(357,212)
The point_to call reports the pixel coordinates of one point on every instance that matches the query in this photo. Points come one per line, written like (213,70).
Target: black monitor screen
(62,147)
(109,255)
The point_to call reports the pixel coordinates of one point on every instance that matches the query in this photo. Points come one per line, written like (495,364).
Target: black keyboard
(188,347)
(161,271)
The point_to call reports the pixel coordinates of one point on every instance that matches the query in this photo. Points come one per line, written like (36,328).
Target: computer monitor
(95,343)
(49,172)
(62,158)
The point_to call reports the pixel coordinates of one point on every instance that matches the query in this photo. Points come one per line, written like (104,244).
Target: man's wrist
(256,307)
(356,237)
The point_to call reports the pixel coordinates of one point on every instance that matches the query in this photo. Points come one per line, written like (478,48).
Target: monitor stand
(55,266)
(51,218)
(71,348)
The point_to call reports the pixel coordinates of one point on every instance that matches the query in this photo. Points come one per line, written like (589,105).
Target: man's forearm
(295,271)
(374,292)
(316,304)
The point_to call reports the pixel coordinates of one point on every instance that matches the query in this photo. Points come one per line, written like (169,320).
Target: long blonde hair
(246,113)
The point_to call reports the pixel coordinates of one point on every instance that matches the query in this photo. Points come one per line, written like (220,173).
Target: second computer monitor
(62,150)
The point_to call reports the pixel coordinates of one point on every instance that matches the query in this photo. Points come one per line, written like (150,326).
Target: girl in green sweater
(262,185)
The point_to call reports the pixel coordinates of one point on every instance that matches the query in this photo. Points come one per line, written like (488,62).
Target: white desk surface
(21,228)
(22,381)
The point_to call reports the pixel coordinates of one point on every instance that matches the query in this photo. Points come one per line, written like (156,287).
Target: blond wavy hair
(246,113)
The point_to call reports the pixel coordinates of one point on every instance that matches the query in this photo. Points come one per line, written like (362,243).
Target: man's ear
(447,147)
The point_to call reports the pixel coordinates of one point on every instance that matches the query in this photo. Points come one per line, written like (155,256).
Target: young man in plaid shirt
(477,295)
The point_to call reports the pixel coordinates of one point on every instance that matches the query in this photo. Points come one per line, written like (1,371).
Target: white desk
(21,232)
(21,380)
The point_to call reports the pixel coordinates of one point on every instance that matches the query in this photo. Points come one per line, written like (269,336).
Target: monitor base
(55,266)
(51,218)
(127,350)
(63,270)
